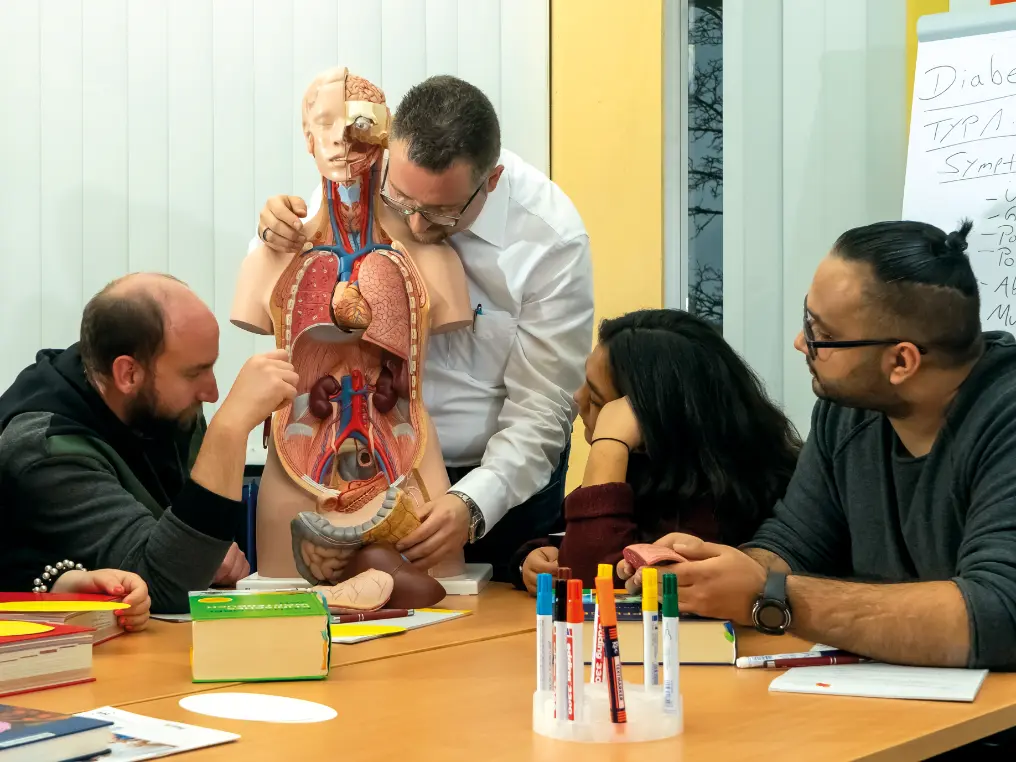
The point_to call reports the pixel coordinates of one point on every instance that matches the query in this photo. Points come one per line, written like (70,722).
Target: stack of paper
(883,681)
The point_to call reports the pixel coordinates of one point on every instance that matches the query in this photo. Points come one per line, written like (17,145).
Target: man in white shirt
(499,393)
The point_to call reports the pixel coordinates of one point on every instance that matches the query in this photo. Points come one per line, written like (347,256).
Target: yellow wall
(916,9)
(606,149)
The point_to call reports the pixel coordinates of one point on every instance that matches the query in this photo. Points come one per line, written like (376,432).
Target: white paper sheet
(137,737)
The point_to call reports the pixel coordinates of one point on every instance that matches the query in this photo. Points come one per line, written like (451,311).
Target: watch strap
(476,520)
(776,587)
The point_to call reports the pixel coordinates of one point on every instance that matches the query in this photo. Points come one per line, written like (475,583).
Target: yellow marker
(650,627)
(56,606)
(9,629)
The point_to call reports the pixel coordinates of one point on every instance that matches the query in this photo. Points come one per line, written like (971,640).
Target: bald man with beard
(105,456)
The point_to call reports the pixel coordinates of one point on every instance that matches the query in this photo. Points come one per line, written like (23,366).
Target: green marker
(671,661)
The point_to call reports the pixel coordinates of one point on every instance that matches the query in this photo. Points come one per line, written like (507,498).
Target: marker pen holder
(647,720)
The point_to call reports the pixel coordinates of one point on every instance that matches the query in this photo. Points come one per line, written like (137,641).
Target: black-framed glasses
(447,220)
(814,346)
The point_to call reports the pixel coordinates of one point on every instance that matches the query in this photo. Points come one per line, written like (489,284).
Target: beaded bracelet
(50,574)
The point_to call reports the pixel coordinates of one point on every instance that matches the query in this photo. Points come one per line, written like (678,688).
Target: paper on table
(357,632)
(883,681)
(136,737)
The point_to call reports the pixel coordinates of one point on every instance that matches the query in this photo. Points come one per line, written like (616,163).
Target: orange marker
(611,650)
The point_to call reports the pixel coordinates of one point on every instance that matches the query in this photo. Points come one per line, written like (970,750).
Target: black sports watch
(771,612)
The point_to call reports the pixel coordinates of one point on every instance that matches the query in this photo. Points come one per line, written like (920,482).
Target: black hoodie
(76,483)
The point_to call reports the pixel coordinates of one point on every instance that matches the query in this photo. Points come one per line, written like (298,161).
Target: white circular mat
(257,707)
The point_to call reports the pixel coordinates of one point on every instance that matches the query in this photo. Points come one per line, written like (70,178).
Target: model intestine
(355,456)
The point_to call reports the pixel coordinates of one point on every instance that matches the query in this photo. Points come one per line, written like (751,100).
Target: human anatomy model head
(345,124)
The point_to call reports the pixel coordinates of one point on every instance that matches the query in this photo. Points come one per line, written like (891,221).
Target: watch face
(772,616)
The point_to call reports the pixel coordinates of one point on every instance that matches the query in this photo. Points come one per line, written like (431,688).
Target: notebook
(883,681)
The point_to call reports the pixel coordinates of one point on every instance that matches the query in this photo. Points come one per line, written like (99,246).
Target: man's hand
(444,530)
(233,568)
(280,226)
(617,421)
(264,384)
(540,561)
(127,586)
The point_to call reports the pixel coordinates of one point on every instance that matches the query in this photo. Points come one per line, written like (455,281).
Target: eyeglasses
(447,220)
(814,346)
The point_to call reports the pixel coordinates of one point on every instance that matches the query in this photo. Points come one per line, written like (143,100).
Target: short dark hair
(445,118)
(923,286)
(711,433)
(116,323)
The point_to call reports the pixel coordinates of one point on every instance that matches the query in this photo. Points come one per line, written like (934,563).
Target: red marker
(576,616)
(611,650)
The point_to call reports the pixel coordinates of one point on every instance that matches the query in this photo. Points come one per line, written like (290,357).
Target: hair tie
(612,439)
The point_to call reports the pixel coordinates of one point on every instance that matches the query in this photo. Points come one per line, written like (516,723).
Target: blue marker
(544,632)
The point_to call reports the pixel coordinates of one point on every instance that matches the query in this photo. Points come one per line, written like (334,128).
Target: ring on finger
(264,234)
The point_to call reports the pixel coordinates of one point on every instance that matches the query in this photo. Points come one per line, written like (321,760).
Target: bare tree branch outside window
(705,155)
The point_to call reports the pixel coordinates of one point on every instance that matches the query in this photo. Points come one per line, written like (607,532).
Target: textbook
(97,612)
(702,641)
(34,735)
(36,655)
(240,636)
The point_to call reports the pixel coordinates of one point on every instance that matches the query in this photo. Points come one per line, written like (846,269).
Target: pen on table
(803,659)
(560,643)
(671,657)
(611,650)
(607,571)
(371,616)
(544,631)
(650,627)
(576,673)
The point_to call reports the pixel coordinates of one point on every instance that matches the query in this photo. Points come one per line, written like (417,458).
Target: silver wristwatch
(476,522)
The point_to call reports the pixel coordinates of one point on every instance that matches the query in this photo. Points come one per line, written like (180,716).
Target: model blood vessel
(355,456)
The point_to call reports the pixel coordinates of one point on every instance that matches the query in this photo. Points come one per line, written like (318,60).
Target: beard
(145,415)
(865,388)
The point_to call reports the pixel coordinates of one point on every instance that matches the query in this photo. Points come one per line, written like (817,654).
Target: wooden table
(155,663)
(474,701)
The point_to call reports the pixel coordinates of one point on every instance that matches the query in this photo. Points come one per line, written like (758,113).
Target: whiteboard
(961,159)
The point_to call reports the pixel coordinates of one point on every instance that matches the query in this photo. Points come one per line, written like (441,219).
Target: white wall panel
(60,237)
(146,134)
(103,143)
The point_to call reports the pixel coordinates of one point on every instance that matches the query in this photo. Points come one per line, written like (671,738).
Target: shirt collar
(490,224)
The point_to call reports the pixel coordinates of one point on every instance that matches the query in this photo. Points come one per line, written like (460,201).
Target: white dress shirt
(500,394)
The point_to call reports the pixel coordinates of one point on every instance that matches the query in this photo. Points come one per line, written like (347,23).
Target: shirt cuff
(488,492)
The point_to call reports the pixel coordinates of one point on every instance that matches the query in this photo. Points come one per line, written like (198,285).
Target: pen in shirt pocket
(477,311)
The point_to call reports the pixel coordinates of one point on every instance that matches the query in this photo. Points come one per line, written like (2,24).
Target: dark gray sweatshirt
(860,507)
(77,484)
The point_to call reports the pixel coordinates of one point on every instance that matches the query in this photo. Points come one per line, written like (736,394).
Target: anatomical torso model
(355,456)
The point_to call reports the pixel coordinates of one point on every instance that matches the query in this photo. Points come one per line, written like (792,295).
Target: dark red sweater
(600,522)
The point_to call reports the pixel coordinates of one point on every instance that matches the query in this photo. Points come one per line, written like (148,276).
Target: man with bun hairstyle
(896,538)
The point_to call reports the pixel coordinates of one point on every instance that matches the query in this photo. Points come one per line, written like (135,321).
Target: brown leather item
(414,589)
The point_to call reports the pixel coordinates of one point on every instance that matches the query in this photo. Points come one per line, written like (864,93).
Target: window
(694,157)
(705,159)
